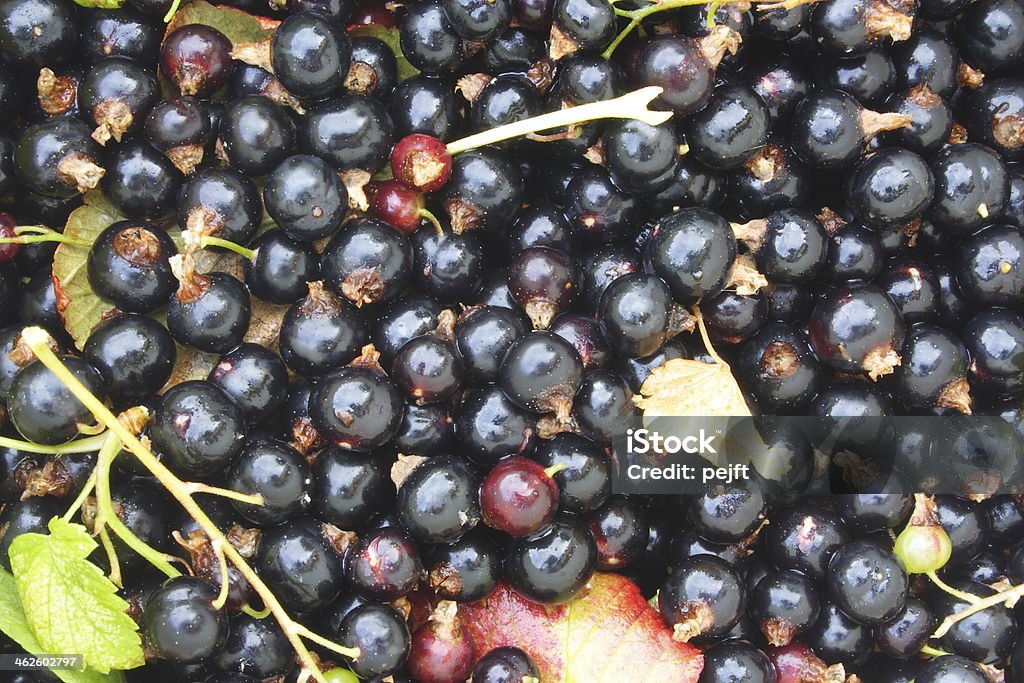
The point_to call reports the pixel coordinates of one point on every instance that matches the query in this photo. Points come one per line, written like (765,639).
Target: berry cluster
(380,282)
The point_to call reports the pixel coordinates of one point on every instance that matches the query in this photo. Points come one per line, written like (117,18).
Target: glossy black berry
(554,565)
(134,354)
(428,369)
(382,637)
(306,198)
(785,604)
(321,332)
(180,623)
(310,55)
(489,426)
(703,597)
(438,502)
(197,428)
(257,135)
(140,181)
(890,187)
(730,130)
(129,264)
(429,40)
(692,250)
(367,262)
(357,406)
(43,410)
(281,268)
(349,488)
(384,565)
(209,312)
(255,377)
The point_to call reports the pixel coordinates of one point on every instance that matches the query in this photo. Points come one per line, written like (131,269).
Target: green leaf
(390,37)
(14,623)
(79,306)
(236,25)
(75,608)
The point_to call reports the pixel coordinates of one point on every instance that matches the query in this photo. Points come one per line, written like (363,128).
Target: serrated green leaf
(14,623)
(79,306)
(75,608)
(391,38)
(236,25)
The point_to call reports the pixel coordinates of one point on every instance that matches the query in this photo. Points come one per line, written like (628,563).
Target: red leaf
(609,634)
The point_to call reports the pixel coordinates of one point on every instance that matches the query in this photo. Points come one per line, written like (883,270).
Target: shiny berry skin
(857,328)
(736,661)
(197,59)
(321,332)
(584,471)
(596,208)
(349,488)
(426,430)
(29,516)
(197,428)
(951,669)
(784,604)
(689,242)
(504,665)
(993,116)
(794,246)
(140,181)
(805,540)
(827,130)
(484,191)
(383,565)
(180,623)
(275,471)
(604,407)
(990,266)
(116,95)
(428,369)
(730,130)
(970,184)
(296,560)
(890,187)
(868,582)
(43,410)
(467,569)
(906,633)
(934,370)
(46,156)
(349,132)
(986,637)
(703,596)
(989,36)
(357,407)
(726,514)
(129,265)
(306,198)
(489,426)
(382,637)
(504,100)
(553,566)
(428,106)
(36,33)
(255,377)
(640,158)
(10,250)
(995,341)
(541,280)
(677,64)
(441,652)
(621,531)
(447,266)
(175,124)
(438,501)
(210,312)
(483,335)
(311,56)
(281,269)
(585,335)
(429,41)
(134,354)
(637,314)
(589,24)
(256,646)
(220,202)
(368,262)
(378,69)
(518,497)
(257,135)
(402,320)
(541,372)
(931,120)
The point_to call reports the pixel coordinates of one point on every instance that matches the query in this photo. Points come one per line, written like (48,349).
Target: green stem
(211,241)
(632,105)
(37,339)
(432,219)
(966,597)
(225,578)
(108,516)
(193,487)
(928,650)
(88,445)
(34,234)
(1010,595)
(172,11)
(256,614)
(638,15)
(115,564)
(87,490)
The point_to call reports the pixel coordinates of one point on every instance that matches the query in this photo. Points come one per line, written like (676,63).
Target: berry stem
(967,597)
(34,234)
(632,105)
(225,576)
(211,241)
(934,652)
(193,487)
(1009,596)
(106,516)
(256,614)
(115,564)
(171,11)
(87,490)
(37,340)
(638,15)
(88,445)
(432,219)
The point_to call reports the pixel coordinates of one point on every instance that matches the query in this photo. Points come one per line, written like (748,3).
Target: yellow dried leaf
(689,387)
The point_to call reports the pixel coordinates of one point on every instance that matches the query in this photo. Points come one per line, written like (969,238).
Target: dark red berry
(398,205)
(8,250)
(197,58)
(421,162)
(518,497)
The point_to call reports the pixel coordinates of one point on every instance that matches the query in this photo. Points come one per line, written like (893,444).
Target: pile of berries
(327,282)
